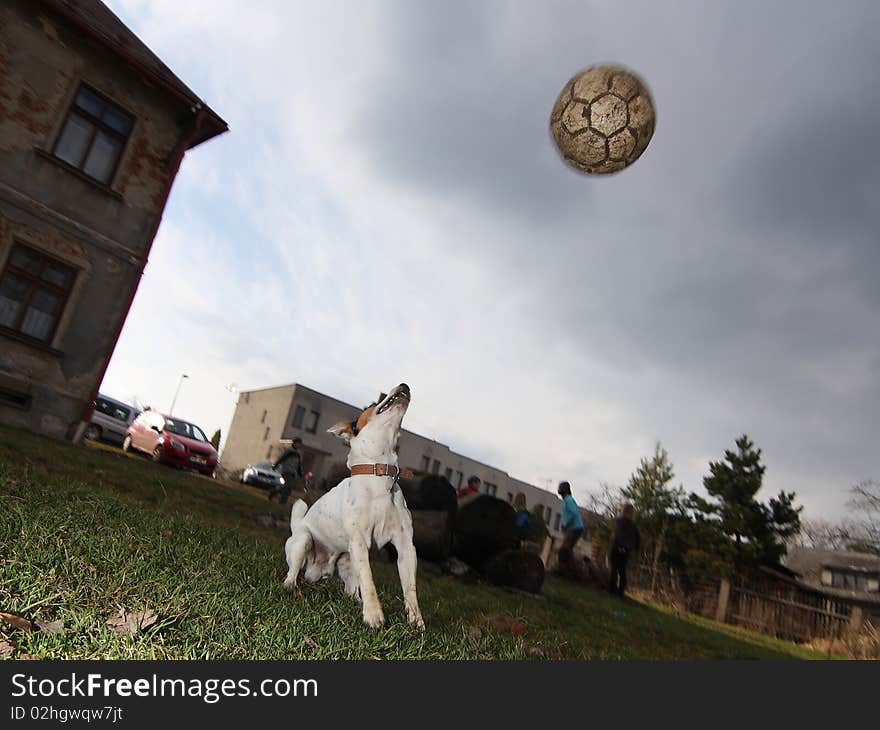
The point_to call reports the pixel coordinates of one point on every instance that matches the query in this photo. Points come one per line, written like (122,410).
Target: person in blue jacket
(573,528)
(523,518)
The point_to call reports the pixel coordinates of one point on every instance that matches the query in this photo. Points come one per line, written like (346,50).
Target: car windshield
(112,409)
(266,465)
(182,428)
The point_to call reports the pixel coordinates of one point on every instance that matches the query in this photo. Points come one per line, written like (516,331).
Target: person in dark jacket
(291,468)
(626,542)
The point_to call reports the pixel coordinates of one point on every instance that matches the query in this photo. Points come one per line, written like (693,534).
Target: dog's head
(373,434)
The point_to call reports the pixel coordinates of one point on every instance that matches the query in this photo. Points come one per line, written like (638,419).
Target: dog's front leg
(407,560)
(406,569)
(360,560)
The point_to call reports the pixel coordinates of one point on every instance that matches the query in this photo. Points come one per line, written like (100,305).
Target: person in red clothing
(472,487)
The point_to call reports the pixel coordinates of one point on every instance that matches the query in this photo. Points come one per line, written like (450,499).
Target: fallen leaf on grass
(167,533)
(536,652)
(310,643)
(475,633)
(503,622)
(132,623)
(51,627)
(6,649)
(16,621)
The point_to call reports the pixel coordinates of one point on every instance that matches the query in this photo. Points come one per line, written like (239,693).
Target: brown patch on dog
(365,416)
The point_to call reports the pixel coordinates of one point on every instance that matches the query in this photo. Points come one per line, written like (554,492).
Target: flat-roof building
(267,420)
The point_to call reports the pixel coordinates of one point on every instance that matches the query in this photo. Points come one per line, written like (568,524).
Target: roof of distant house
(96,20)
(809,562)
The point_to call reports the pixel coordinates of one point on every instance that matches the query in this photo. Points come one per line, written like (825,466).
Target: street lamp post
(179,383)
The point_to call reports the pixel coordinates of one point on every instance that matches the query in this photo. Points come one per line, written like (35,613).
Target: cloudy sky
(388,206)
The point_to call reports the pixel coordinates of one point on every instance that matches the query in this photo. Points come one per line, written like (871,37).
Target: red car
(171,441)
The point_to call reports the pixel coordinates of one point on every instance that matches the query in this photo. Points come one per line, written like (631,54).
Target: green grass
(88,532)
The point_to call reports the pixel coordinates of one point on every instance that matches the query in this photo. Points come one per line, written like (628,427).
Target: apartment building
(266,421)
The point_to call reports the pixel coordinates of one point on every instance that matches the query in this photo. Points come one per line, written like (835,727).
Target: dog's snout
(404,387)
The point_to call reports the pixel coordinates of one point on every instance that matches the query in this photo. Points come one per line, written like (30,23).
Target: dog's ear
(342,430)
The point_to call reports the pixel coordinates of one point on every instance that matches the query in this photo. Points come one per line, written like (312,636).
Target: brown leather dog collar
(381,470)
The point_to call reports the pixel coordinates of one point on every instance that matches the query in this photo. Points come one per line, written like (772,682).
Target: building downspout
(179,152)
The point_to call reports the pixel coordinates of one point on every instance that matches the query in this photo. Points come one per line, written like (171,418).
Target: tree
(865,501)
(606,503)
(654,501)
(215,440)
(823,535)
(756,532)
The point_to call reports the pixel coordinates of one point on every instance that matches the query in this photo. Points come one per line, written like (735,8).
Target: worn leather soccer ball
(603,119)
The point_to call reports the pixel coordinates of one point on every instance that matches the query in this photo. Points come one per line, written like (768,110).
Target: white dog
(367,507)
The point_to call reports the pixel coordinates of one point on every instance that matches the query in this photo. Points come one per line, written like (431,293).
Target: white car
(262,474)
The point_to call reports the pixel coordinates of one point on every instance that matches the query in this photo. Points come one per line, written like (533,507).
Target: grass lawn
(89,533)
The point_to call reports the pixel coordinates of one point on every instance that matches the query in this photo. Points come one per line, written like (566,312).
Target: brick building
(93,127)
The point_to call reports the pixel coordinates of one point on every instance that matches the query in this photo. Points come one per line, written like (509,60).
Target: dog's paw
(374,619)
(414,617)
(290,583)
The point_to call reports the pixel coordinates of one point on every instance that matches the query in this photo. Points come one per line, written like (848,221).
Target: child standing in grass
(573,527)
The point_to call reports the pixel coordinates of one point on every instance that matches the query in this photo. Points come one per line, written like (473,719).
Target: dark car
(171,441)
(262,474)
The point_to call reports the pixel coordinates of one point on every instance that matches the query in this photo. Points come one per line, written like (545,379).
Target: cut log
(429,493)
(516,569)
(484,527)
(433,506)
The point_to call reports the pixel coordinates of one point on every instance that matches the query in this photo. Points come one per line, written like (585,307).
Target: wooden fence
(772,604)
(790,613)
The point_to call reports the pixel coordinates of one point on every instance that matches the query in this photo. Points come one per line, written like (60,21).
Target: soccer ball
(603,119)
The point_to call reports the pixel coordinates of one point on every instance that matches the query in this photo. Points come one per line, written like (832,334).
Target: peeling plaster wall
(102,231)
